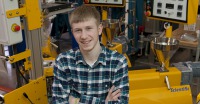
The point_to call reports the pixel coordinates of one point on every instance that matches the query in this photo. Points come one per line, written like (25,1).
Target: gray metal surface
(195,67)
(110,23)
(165,44)
(124,41)
(186,73)
(34,43)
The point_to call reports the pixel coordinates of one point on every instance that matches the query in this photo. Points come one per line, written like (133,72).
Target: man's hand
(113,96)
(73,100)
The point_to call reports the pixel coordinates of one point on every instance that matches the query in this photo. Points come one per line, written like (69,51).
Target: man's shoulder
(113,53)
(68,54)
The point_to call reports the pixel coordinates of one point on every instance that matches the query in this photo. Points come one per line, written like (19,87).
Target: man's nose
(84,34)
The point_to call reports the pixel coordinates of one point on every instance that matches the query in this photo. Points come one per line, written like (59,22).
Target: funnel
(111,29)
(164,49)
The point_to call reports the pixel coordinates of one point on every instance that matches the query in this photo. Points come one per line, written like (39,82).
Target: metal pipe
(126,18)
(4,57)
(198,46)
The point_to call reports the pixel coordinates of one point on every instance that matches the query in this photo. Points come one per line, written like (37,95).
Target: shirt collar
(101,58)
(79,57)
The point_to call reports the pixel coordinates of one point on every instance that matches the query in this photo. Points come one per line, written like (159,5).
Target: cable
(26,96)
(17,68)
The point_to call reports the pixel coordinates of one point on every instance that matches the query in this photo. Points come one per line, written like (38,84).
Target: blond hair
(84,13)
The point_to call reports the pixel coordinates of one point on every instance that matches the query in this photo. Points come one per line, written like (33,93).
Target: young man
(91,74)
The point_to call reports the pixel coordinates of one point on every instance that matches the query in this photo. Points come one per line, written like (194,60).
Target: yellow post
(104,17)
(168,35)
(169,32)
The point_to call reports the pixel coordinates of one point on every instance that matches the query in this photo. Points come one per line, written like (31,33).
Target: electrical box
(110,3)
(180,11)
(10,29)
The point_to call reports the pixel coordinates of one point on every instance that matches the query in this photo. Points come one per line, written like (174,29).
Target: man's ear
(100,29)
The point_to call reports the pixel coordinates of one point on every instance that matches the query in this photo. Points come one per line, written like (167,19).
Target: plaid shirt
(74,77)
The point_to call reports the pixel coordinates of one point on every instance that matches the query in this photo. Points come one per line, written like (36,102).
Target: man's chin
(86,49)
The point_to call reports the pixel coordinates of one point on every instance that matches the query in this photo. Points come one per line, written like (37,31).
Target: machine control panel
(105,2)
(10,29)
(167,9)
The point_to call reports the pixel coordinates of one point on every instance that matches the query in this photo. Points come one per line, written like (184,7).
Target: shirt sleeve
(61,84)
(121,81)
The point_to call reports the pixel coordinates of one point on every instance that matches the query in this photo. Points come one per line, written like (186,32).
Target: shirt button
(89,86)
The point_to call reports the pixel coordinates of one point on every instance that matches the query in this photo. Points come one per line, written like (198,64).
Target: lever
(167,82)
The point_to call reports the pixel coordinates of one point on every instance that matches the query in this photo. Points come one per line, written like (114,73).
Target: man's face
(87,34)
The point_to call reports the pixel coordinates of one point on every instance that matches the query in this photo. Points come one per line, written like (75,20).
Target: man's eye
(89,28)
(77,30)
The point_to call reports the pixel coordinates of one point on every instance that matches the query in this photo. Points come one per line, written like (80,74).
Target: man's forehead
(85,23)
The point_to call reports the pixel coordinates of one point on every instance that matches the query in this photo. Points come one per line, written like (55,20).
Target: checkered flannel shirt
(74,77)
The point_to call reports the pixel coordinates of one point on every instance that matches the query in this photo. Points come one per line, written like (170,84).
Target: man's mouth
(85,42)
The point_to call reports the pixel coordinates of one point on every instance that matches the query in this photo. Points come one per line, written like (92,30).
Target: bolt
(10,14)
(17,12)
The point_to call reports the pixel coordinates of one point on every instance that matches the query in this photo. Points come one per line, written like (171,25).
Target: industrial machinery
(163,85)
(158,85)
(113,37)
(14,34)
(147,86)
(111,31)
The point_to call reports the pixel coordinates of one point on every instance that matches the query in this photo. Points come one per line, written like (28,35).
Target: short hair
(84,13)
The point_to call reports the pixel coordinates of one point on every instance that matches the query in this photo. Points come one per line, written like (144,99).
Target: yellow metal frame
(31,10)
(23,55)
(20,56)
(49,49)
(36,91)
(104,17)
(48,72)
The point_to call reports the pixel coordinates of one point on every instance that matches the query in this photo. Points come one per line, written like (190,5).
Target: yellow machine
(147,86)
(163,86)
